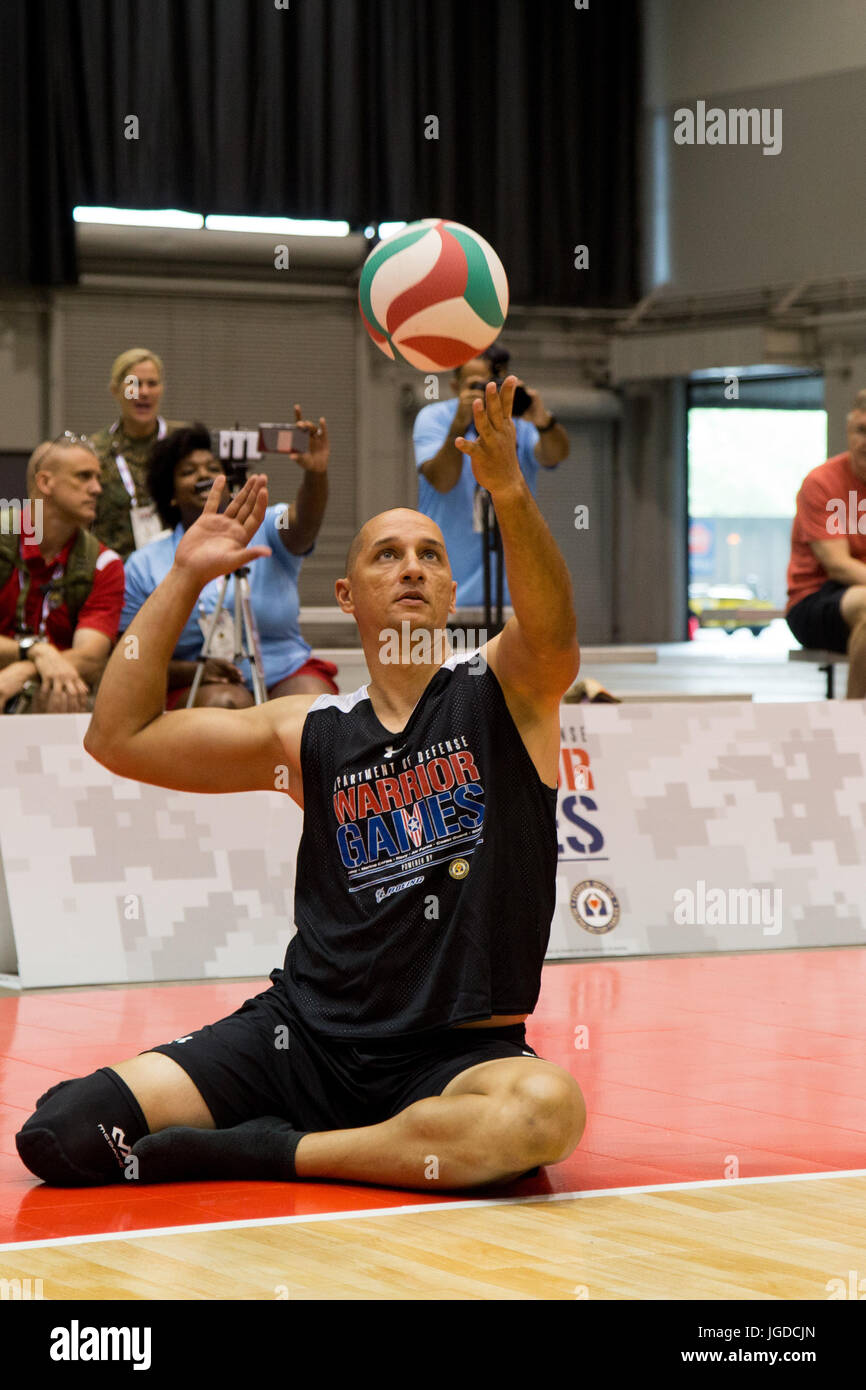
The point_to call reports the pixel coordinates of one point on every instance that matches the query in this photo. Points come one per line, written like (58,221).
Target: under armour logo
(389,751)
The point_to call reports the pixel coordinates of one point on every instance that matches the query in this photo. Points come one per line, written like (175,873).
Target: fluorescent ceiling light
(171,217)
(138,217)
(285,226)
(387,229)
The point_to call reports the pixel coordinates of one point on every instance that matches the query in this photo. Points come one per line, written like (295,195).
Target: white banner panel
(682,828)
(109,880)
(710,827)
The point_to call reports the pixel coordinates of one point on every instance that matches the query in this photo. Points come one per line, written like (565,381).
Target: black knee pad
(82,1131)
(52,1091)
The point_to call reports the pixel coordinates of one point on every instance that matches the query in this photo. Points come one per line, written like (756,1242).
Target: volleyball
(434,295)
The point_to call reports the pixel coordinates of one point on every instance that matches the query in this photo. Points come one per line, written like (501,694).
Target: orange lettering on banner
(574,767)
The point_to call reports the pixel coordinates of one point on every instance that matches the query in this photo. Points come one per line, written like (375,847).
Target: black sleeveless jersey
(426,873)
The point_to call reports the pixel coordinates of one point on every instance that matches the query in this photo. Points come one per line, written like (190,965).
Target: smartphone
(283,439)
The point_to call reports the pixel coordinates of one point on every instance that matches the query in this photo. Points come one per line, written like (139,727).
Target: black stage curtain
(319,110)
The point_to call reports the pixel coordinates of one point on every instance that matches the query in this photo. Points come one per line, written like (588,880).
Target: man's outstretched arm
(537,654)
(197,750)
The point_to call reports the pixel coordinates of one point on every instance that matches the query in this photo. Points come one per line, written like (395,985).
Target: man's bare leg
(853,610)
(166,1094)
(299,685)
(492,1122)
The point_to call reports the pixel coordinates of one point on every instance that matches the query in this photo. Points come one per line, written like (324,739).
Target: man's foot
(261,1150)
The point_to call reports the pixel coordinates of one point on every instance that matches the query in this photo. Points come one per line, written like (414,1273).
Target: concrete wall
(724,216)
(23,371)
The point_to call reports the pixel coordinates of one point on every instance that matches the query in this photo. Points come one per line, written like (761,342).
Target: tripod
(491,543)
(246,637)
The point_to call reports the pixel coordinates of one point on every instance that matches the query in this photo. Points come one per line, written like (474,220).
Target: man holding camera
(447,491)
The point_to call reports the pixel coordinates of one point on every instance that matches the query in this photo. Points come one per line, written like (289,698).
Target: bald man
(391,1048)
(61,590)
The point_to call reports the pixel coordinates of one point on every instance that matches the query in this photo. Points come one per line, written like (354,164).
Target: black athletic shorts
(265,1060)
(816,621)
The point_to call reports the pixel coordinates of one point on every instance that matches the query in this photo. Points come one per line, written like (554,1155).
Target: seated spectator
(447,489)
(126,517)
(181,472)
(827,570)
(61,590)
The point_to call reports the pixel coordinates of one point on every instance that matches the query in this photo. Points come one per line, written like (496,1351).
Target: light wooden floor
(764,1240)
(758,1059)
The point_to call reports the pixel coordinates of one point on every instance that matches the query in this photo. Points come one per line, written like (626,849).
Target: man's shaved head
(50,455)
(63,477)
(386,523)
(354,551)
(38,460)
(398,576)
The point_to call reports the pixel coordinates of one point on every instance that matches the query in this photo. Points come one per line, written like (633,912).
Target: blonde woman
(126,518)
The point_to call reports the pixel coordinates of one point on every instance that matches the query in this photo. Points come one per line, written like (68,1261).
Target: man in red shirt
(827,571)
(62,590)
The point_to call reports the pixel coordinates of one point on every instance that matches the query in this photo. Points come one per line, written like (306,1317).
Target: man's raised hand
(218,542)
(494,452)
(315,460)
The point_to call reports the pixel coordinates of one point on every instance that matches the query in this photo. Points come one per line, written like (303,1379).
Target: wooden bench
(825,661)
(663,697)
(741,617)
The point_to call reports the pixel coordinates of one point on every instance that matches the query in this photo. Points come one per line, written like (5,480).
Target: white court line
(421,1207)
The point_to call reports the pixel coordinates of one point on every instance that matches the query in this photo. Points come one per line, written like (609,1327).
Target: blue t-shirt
(273,592)
(452,511)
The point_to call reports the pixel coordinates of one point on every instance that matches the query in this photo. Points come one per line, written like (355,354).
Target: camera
(522,398)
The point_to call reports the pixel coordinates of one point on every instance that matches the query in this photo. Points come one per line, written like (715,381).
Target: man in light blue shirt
(446,483)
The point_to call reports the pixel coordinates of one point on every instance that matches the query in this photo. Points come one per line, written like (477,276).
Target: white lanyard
(123,467)
(46,606)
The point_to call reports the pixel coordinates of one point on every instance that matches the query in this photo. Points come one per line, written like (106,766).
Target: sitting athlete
(391,1048)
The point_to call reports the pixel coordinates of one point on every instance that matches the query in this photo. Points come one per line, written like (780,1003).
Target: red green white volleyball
(433,295)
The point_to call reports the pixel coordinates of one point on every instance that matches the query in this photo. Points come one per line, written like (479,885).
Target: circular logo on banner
(458,868)
(594,907)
